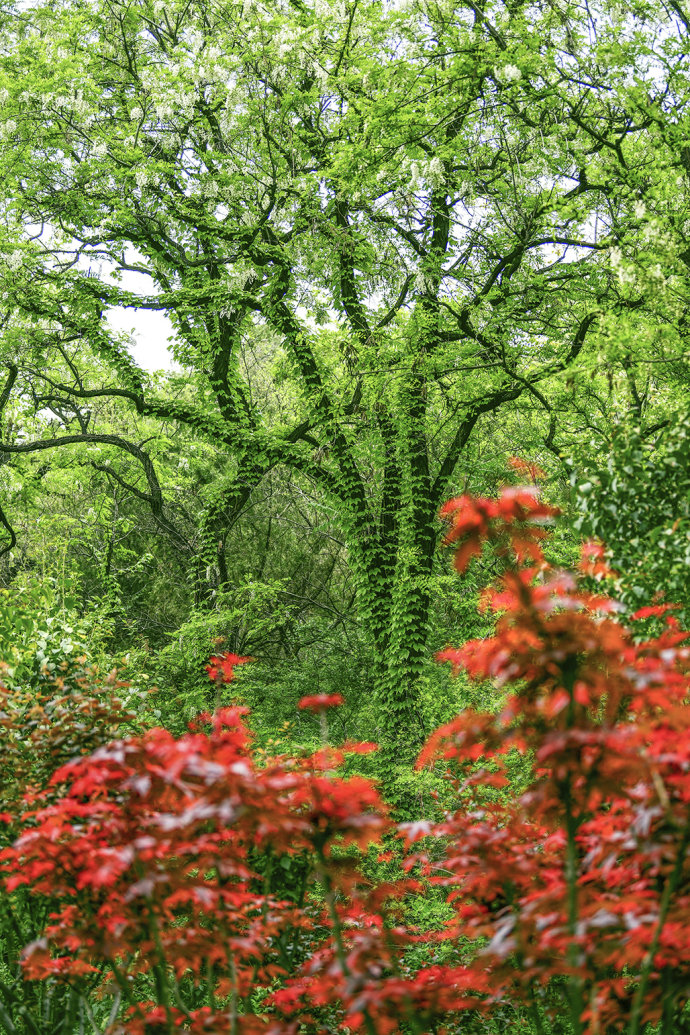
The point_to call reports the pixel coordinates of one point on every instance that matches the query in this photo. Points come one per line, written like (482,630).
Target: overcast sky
(148,329)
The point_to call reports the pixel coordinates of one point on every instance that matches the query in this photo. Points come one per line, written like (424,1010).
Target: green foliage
(42,636)
(638,504)
(243,620)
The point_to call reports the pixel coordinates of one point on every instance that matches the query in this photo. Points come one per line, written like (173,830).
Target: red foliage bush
(573,895)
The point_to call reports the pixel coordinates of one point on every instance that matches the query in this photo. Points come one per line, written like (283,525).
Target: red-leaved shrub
(570,898)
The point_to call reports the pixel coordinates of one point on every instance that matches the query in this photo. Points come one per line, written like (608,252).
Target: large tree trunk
(400,598)
(395,595)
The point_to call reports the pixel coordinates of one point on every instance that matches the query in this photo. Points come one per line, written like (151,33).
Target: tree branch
(156,495)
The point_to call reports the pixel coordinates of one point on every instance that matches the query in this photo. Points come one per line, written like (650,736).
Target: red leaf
(319,702)
(222,666)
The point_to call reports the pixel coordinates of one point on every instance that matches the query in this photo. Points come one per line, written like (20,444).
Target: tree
(403,216)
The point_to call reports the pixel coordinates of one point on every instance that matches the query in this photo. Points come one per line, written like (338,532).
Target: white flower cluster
(624,273)
(15,260)
(429,172)
(238,279)
(330,11)
(509,73)
(422,282)
(654,234)
(75,104)
(321,75)
(656,274)
(195,40)
(435,171)
(299,48)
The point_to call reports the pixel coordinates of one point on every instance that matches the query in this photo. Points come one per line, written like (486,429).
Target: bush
(70,713)
(562,907)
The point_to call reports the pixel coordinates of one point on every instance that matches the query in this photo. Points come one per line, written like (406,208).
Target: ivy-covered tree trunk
(393,556)
(404,595)
(404,654)
(393,605)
